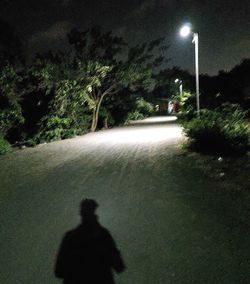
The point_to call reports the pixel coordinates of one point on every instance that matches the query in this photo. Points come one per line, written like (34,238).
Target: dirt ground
(173,221)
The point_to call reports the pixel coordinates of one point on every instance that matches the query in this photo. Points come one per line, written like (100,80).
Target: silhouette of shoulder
(86,232)
(88,253)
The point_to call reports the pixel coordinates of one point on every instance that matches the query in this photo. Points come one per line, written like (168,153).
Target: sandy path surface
(172,224)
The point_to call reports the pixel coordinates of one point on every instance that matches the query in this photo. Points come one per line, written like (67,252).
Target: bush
(144,107)
(187,114)
(222,131)
(10,109)
(136,115)
(56,128)
(4,146)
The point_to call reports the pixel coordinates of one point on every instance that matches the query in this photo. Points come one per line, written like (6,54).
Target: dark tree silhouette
(122,67)
(232,87)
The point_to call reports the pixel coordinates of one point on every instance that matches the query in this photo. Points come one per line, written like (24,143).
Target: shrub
(136,115)
(144,107)
(10,119)
(56,128)
(10,109)
(222,131)
(4,146)
(186,115)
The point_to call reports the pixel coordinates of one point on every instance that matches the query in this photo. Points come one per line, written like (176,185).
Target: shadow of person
(88,253)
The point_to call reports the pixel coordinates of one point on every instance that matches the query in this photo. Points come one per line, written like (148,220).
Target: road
(171,222)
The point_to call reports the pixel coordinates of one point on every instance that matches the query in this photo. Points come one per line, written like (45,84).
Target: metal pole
(196,42)
(181,90)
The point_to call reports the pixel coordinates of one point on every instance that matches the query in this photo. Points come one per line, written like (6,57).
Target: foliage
(142,109)
(132,72)
(4,146)
(61,94)
(73,102)
(11,113)
(43,73)
(37,89)
(185,98)
(186,115)
(10,119)
(106,119)
(232,86)
(135,115)
(165,82)
(222,131)
(187,106)
(56,128)
(60,89)
(118,107)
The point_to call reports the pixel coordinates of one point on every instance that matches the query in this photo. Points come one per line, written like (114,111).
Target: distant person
(88,253)
(170,107)
(176,107)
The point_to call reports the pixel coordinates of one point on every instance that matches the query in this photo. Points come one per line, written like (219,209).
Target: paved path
(172,224)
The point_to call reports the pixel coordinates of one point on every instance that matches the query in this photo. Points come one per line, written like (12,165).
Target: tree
(37,90)
(232,86)
(75,95)
(58,89)
(63,92)
(111,66)
(10,110)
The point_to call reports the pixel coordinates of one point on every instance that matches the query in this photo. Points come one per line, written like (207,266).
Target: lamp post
(180,86)
(184,32)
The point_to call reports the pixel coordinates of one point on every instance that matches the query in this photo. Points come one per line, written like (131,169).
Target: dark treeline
(98,81)
(232,86)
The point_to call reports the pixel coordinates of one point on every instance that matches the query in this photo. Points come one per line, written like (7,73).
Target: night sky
(223,25)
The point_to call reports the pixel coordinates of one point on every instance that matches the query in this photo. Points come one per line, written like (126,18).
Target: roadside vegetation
(222,128)
(222,131)
(99,81)
(141,110)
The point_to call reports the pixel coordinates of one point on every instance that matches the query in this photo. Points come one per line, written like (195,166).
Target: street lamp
(184,32)
(180,86)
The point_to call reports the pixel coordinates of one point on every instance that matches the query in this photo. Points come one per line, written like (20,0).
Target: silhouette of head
(88,208)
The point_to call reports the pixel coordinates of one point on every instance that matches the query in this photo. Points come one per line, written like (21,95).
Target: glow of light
(140,135)
(159,119)
(151,131)
(185,31)
(176,80)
